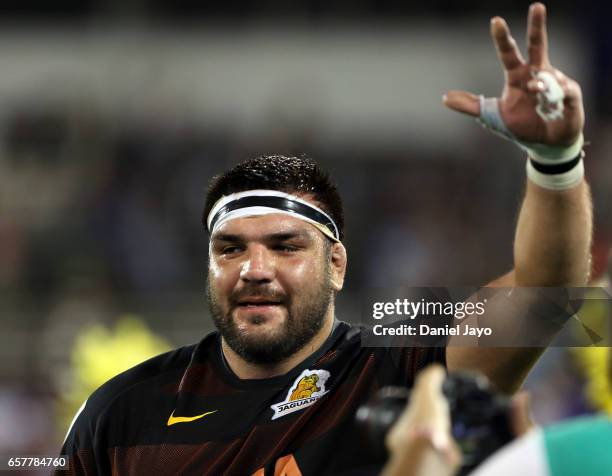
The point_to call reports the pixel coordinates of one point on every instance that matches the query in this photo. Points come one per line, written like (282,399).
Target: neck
(249,370)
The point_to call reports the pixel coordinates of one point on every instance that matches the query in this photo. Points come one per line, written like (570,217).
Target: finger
(559,76)
(571,88)
(536,86)
(462,101)
(520,414)
(426,408)
(537,38)
(508,52)
(431,378)
(454,455)
(573,95)
(428,385)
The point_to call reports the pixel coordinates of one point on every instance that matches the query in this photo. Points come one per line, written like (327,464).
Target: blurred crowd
(101,216)
(98,221)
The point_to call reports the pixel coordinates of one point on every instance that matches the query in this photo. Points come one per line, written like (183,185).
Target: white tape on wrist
(562,181)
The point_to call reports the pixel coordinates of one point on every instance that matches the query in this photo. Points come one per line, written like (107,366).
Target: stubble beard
(303,321)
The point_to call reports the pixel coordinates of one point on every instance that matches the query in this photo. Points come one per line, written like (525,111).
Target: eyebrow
(281,236)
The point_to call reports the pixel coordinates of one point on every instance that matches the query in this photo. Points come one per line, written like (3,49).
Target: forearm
(553,237)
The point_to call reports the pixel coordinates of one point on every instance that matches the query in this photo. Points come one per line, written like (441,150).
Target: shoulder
(528,449)
(397,356)
(135,383)
(578,427)
(393,345)
(152,369)
(350,332)
(580,446)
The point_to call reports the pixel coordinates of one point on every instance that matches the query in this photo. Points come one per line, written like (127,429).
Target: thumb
(462,101)
(521,421)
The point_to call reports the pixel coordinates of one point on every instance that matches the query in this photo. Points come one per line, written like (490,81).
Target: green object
(581,447)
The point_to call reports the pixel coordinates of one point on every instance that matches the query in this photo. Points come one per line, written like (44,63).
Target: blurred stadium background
(115,115)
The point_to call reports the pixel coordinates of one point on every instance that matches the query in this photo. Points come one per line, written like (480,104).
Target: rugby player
(274,390)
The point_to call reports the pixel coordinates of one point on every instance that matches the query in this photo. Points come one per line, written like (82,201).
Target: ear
(338,265)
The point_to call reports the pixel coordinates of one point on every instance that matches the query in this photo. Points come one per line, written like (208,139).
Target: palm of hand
(518,109)
(521,89)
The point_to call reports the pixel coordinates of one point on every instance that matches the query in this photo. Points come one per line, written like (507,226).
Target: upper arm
(505,367)
(504,281)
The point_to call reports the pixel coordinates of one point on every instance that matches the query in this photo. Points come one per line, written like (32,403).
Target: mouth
(258,303)
(258,312)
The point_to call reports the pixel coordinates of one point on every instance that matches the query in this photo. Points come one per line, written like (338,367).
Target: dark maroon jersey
(186,412)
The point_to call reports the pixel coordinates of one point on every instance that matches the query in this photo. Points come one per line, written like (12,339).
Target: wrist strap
(557,176)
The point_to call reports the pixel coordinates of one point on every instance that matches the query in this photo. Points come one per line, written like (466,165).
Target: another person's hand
(420,442)
(520,417)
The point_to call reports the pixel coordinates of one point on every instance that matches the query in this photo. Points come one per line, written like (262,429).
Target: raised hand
(519,99)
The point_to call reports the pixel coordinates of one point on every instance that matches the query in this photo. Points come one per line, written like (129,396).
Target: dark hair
(282,173)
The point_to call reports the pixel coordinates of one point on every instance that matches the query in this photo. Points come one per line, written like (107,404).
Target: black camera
(480,418)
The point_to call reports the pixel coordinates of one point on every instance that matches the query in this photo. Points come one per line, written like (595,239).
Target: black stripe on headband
(280,203)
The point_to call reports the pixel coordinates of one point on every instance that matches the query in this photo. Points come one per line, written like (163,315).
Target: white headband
(265,202)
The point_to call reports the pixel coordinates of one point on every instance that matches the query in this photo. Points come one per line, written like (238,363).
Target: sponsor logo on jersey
(173,420)
(305,390)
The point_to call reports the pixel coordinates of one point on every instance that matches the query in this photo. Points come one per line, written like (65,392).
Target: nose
(258,265)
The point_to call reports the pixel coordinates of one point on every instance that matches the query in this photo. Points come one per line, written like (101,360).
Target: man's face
(269,285)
